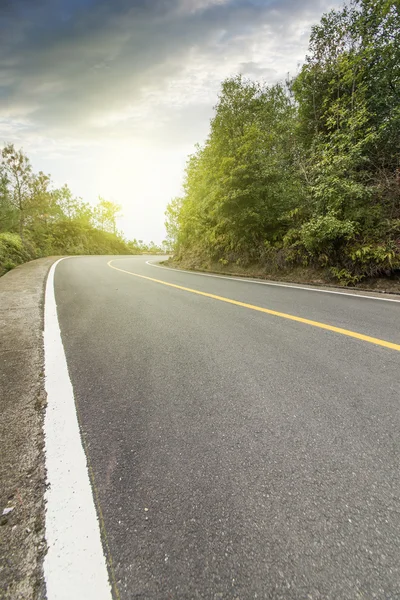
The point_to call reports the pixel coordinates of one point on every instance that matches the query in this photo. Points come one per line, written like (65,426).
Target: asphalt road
(236,454)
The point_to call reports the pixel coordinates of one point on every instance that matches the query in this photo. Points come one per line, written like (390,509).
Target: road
(237,454)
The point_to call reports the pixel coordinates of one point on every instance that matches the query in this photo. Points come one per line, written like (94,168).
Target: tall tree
(242,183)
(348,94)
(73,208)
(106,214)
(8,213)
(172,222)
(42,205)
(17,178)
(312,173)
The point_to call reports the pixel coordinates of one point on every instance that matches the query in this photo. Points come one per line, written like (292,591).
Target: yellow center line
(268,311)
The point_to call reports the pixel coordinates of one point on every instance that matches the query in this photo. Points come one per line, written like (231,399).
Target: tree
(106,214)
(17,179)
(310,173)
(42,206)
(348,94)
(166,246)
(242,183)
(74,208)
(8,213)
(172,222)
(52,221)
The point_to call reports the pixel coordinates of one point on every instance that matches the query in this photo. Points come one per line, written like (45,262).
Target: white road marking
(74,566)
(285,285)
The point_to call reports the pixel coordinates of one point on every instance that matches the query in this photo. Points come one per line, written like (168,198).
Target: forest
(37,219)
(304,174)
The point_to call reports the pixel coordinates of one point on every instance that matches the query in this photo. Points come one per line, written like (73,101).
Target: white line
(285,285)
(74,566)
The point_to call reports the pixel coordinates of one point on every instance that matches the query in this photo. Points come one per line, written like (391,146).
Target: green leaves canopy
(311,168)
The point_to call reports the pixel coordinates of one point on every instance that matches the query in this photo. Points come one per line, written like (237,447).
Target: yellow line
(347,332)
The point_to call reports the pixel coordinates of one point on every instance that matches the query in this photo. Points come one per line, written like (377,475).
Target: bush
(375,259)
(63,237)
(326,233)
(13,252)
(72,238)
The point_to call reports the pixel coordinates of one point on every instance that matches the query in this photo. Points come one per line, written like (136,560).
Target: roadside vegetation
(304,176)
(37,219)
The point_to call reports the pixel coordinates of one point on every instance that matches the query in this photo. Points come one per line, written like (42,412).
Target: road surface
(236,453)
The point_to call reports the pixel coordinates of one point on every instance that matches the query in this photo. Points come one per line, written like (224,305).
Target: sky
(111,97)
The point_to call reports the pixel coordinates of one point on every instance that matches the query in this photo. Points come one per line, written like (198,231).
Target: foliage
(105,214)
(12,252)
(309,171)
(240,184)
(172,222)
(325,233)
(16,174)
(38,220)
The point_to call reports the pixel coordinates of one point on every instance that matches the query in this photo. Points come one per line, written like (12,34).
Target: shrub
(374,259)
(326,233)
(13,252)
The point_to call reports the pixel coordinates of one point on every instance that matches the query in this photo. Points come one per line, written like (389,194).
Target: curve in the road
(332,328)
(296,286)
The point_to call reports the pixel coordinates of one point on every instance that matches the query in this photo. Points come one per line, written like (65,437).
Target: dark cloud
(81,65)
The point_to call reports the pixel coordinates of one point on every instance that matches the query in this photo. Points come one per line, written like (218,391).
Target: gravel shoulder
(22,402)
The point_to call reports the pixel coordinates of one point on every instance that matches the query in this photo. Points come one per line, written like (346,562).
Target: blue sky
(110,97)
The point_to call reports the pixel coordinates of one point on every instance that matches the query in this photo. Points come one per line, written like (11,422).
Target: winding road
(243,438)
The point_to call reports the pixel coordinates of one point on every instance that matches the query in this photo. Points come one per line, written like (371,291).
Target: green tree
(348,94)
(17,181)
(42,206)
(73,208)
(8,212)
(308,173)
(106,214)
(172,222)
(241,185)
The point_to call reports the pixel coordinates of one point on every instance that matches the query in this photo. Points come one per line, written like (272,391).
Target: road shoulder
(23,401)
(390,291)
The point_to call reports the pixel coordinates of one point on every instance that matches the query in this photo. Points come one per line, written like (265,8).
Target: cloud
(254,69)
(101,68)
